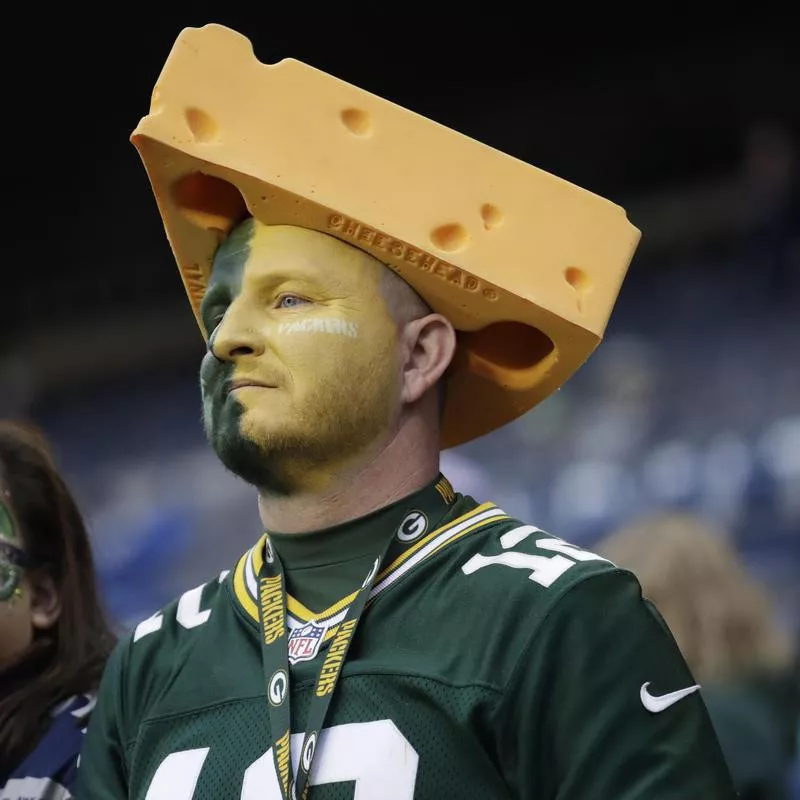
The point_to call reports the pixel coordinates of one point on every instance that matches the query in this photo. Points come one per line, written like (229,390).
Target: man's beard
(222,423)
(281,463)
(245,458)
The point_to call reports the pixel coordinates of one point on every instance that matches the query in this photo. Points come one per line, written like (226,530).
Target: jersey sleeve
(102,771)
(595,695)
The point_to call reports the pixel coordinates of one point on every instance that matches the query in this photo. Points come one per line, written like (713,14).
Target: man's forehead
(263,250)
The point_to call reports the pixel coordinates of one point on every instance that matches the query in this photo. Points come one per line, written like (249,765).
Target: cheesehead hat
(526,266)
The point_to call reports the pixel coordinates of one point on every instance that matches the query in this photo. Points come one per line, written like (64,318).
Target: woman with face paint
(54,637)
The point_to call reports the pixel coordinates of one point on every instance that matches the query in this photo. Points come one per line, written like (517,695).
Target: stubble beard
(329,432)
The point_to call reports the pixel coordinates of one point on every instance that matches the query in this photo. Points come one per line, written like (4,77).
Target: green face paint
(10,577)
(221,418)
(11,556)
(8,531)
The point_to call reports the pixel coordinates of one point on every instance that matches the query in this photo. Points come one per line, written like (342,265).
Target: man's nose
(234,338)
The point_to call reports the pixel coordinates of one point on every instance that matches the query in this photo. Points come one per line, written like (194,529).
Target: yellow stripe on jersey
(240,588)
(258,554)
(293,606)
(445,489)
(463,533)
(406,554)
(304,614)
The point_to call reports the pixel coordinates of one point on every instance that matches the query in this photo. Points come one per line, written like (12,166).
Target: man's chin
(237,451)
(247,459)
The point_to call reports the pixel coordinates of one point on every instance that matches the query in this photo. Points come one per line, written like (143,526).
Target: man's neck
(399,468)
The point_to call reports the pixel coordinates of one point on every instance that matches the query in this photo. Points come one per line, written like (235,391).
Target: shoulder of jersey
(160,644)
(499,586)
(521,568)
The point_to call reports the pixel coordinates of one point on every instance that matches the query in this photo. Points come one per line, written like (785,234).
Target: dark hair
(68,658)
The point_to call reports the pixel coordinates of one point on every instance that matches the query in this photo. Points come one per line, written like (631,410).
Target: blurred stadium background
(692,401)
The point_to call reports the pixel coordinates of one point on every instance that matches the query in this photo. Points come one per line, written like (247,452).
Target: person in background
(726,628)
(54,635)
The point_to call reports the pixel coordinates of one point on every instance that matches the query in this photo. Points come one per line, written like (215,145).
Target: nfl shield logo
(304,642)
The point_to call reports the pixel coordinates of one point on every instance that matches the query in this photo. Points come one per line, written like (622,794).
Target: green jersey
(492,660)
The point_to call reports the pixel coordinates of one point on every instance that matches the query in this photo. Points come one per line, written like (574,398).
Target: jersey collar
(447,518)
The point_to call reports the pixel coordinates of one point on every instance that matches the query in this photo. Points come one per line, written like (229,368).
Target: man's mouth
(241,383)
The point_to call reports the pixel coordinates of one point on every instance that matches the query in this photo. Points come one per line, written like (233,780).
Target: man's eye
(291,301)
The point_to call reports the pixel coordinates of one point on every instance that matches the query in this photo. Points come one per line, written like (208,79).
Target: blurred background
(691,403)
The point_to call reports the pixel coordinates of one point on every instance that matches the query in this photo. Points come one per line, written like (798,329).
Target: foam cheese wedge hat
(526,266)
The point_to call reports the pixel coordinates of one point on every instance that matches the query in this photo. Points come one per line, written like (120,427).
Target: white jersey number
(189,614)
(375,755)
(544,570)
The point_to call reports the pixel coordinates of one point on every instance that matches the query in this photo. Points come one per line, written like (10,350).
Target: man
(387,637)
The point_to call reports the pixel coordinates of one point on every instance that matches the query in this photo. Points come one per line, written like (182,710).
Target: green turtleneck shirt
(321,567)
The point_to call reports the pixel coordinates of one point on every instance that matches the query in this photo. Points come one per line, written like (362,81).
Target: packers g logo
(412,527)
(278,684)
(308,751)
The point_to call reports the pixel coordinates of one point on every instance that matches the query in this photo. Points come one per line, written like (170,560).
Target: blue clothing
(49,771)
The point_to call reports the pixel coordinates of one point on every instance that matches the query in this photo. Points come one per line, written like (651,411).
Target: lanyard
(275,659)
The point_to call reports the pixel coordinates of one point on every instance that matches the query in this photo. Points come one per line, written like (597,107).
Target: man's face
(302,373)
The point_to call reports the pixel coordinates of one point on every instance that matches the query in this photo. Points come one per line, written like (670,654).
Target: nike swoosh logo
(656,704)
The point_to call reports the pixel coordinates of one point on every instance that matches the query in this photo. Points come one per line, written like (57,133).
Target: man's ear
(429,344)
(45,600)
